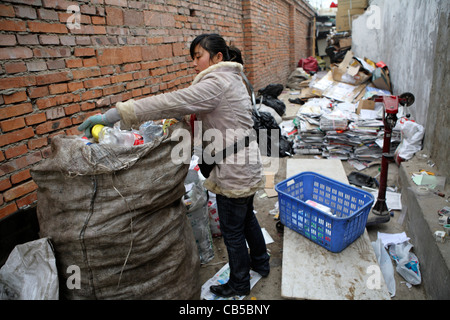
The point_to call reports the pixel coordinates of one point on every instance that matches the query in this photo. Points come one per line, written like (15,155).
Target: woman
(220,100)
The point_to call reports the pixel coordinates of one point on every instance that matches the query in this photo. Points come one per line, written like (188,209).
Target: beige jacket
(221,102)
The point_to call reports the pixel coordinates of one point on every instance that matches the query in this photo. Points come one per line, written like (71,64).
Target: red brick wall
(276,36)
(54,74)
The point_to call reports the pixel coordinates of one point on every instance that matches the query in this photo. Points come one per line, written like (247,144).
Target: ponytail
(235,55)
(214,43)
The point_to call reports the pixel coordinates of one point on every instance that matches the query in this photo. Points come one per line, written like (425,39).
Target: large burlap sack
(116,213)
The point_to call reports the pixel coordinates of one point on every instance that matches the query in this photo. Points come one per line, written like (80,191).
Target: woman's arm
(202,97)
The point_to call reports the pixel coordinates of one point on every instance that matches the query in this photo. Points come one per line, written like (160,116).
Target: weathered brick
(45,39)
(15,53)
(16,136)
(8,39)
(36,65)
(50,126)
(44,27)
(12,124)
(131,54)
(91,62)
(17,82)
(51,52)
(15,97)
(25,12)
(35,119)
(16,151)
(45,14)
(83,52)
(20,191)
(37,92)
(74,86)
(114,16)
(120,3)
(72,109)
(8,209)
(20,176)
(7,11)
(97,82)
(57,88)
(27,39)
(37,143)
(5,184)
(15,110)
(27,200)
(86,73)
(133,18)
(9,25)
(109,56)
(52,78)
(74,63)
(55,113)
(15,67)
(56,64)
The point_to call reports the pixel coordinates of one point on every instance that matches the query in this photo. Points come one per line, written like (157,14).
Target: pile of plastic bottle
(148,132)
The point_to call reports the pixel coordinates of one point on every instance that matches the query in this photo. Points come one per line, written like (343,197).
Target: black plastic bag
(272,90)
(265,120)
(269,97)
(274,103)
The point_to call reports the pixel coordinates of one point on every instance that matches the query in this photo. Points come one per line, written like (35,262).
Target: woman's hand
(87,125)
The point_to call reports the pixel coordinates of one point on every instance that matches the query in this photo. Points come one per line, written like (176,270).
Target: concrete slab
(312,272)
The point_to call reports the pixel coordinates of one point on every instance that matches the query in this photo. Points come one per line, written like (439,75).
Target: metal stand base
(374,219)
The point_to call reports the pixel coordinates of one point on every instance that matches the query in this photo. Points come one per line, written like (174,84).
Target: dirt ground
(270,288)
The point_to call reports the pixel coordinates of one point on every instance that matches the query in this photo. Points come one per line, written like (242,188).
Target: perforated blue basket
(349,206)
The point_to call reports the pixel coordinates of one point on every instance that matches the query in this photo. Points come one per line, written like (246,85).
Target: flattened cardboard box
(351,70)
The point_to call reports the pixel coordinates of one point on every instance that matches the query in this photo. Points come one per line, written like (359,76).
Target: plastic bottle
(108,135)
(150,131)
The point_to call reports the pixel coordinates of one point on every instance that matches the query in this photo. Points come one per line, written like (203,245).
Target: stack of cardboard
(347,11)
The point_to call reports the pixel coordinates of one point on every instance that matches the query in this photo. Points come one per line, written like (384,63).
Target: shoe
(263,274)
(224,290)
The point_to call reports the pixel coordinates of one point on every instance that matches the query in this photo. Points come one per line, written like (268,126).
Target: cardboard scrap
(269,188)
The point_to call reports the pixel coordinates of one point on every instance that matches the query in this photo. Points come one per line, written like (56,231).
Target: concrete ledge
(421,223)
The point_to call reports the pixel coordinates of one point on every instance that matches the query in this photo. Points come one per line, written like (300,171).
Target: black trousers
(238,223)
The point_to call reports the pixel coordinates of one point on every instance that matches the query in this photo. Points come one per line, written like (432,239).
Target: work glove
(87,125)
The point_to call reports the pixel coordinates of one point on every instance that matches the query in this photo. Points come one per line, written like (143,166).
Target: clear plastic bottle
(108,135)
(151,130)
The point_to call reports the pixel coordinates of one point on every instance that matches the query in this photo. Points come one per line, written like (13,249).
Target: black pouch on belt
(206,168)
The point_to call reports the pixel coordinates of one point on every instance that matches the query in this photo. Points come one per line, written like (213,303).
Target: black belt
(228,151)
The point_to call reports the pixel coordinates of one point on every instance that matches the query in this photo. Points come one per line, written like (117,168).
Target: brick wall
(62,61)
(276,36)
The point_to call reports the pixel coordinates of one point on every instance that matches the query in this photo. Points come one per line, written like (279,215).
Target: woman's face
(202,59)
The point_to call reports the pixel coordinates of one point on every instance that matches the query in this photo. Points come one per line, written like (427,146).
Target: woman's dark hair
(214,43)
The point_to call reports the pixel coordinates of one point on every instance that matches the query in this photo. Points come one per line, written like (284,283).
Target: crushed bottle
(151,130)
(108,135)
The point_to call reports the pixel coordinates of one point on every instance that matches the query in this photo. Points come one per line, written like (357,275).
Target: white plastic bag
(407,262)
(385,265)
(412,135)
(30,273)
(213,216)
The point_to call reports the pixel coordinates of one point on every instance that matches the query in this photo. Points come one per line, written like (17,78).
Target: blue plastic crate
(349,206)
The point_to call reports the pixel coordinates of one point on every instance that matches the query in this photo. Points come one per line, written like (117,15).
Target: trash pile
(397,247)
(338,117)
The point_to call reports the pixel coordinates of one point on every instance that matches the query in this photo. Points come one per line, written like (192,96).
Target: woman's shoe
(224,290)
